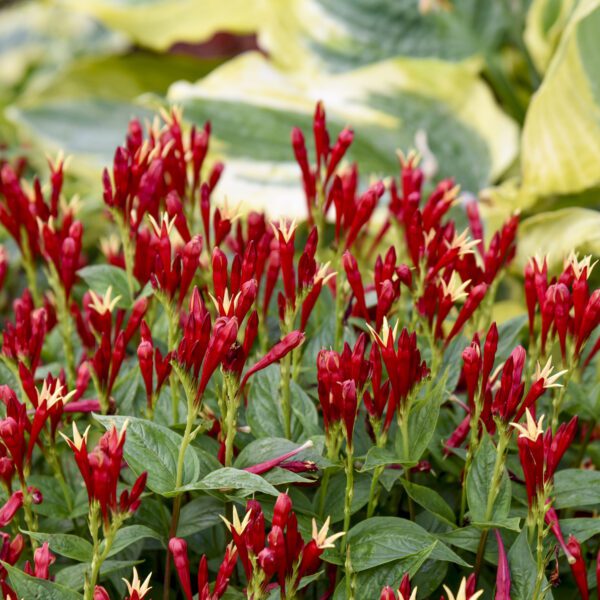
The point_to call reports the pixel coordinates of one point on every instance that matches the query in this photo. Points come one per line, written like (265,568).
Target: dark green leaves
(71,546)
(227,479)
(33,588)
(575,488)
(381,540)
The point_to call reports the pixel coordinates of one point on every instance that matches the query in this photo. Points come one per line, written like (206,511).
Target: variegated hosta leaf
(546,20)
(86,109)
(38,38)
(159,24)
(561,136)
(556,233)
(440,108)
(338,35)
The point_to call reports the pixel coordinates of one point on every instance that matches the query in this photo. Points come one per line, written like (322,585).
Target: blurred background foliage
(504,95)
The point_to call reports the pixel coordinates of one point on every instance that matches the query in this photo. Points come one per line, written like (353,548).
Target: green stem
(503,439)
(406,448)
(128,251)
(349,492)
(172,317)
(30,519)
(558,399)
(54,461)
(286,407)
(374,491)
(185,442)
(232,402)
(339,313)
(538,593)
(29,267)
(472,447)
(100,553)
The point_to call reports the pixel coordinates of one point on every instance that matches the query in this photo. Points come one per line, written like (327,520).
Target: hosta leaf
(546,20)
(555,234)
(153,448)
(71,546)
(39,39)
(34,588)
(253,106)
(381,540)
(479,485)
(561,136)
(350,32)
(228,478)
(160,23)
(575,488)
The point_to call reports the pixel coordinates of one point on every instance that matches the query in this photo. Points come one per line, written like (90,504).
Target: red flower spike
(100,593)
(471,304)
(178,549)
(10,508)
(578,567)
(502,572)
(278,351)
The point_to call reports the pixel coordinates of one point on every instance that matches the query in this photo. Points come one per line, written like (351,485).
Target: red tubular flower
(471,304)
(100,593)
(137,589)
(471,370)
(578,567)
(541,453)
(42,559)
(10,508)
(223,336)
(101,469)
(285,235)
(404,366)
(277,352)
(178,549)
(503,572)
(267,465)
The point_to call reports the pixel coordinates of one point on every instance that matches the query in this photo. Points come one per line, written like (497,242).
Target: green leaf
(582,528)
(561,137)
(264,413)
(153,448)
(131,534)
(575,488)
(431,501)
(228,478)
(100,277)
(422,421)
(201,513)
(380,540)
(34,588)
(74,576)
(522,569)
(508,335)
(479,485)
(370,582)
(334,502)
(71,546)
(377,457)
